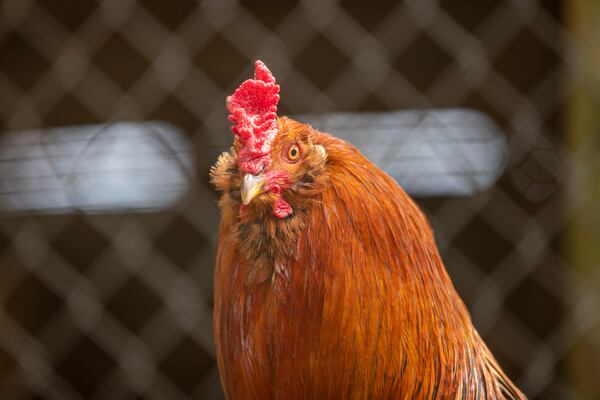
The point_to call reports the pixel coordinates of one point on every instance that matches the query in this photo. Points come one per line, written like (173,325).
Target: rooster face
(293,163)
(267,209)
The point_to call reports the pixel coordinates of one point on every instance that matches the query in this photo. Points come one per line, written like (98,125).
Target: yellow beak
(252,186)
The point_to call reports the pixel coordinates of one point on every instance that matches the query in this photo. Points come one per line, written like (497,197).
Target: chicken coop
(112,113)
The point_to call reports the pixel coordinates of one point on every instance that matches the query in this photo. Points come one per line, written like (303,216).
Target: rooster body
(343,293)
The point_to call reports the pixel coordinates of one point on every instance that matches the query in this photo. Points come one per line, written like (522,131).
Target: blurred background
(111,298)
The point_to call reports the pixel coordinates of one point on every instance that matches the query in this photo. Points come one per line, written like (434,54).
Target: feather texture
(347,298)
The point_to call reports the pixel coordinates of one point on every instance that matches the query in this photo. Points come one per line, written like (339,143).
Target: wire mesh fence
(118,305)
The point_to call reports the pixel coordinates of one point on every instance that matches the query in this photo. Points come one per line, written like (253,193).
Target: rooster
(328,282)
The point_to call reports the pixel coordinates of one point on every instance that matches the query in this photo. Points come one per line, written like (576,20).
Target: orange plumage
(347,296)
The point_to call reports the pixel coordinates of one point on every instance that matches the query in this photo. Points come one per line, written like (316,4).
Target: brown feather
(348,297)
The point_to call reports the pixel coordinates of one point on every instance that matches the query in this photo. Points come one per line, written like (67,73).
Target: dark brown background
(73,62)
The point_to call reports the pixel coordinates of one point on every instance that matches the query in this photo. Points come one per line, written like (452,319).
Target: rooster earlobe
(322,152)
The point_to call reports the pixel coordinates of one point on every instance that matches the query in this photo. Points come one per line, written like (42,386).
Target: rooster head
(276,157)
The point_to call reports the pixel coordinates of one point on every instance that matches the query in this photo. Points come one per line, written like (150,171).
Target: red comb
(253,108)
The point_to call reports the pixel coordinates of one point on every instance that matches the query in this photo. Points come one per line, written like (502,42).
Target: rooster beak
(252,186)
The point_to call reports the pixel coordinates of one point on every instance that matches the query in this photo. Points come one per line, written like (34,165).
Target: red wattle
(282,208)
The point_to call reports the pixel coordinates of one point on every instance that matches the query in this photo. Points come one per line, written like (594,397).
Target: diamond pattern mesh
(118,306)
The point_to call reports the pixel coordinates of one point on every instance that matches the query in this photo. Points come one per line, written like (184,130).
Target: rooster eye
(293,152)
